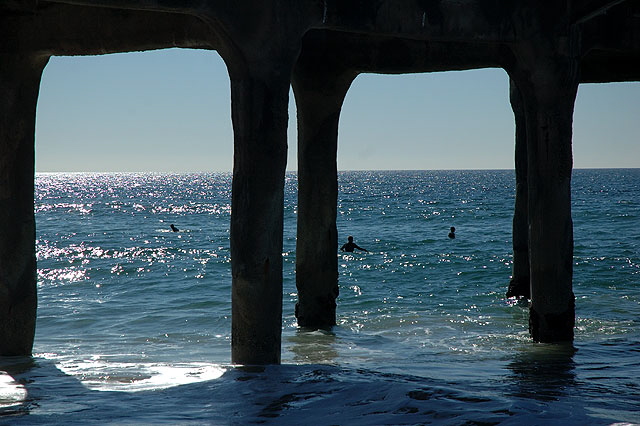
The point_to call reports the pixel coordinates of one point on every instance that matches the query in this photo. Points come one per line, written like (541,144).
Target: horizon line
(296,171)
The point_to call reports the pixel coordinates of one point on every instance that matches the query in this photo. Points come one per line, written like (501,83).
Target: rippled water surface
(134,319)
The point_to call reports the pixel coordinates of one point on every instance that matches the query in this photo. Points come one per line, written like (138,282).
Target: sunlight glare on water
(134,320)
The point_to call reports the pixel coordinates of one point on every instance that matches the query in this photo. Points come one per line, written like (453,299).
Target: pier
(319,47)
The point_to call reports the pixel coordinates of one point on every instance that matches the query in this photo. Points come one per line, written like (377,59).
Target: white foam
(104,375)
(11,392)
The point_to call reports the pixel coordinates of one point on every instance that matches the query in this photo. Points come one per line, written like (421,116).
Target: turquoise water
(134,320)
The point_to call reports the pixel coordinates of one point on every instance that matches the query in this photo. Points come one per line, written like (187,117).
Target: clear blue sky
(170,111)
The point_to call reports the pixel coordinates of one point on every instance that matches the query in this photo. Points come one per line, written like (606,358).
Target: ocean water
(134,320)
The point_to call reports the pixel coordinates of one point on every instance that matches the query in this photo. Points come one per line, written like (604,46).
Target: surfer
(452,234)
(350,245)
(173,228)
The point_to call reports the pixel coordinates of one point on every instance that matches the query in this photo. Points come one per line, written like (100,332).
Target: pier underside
(319,48)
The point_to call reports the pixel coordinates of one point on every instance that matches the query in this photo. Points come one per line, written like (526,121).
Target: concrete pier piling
(259,112)
(320,85)
(519,286)
(319,48)
(548,100)
(19,85)
(545,75)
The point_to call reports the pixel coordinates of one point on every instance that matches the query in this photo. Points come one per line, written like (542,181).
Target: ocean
(134,320)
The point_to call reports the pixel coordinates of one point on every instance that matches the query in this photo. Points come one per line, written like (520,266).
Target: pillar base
(552,327)
(519,288)
(321,313)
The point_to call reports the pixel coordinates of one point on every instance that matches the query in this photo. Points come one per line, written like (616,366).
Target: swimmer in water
(173,228)
(452,234)
(350,245)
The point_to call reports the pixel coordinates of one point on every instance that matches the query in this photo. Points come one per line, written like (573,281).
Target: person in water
(452,234)
(350,245)
(173,228)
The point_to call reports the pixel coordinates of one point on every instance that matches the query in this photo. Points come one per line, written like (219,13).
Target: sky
(169,111)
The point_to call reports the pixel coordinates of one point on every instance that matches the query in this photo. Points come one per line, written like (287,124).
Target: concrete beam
(74,30)
(187,7)
(444,19)
(437,20)
(586,10)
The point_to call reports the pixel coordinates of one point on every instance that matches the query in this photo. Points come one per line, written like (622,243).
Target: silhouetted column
(19,84)
(320,90)
(519,284)
(260,43)
(548,82)
(259,109)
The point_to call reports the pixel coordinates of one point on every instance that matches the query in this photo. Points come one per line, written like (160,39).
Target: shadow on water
(543,372)
(539,387)
(542,386)
(284,394)
(38,392)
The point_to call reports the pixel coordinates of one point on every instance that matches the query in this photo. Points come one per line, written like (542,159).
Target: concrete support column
(259,110)
(260,43)
(320,90)
(548,81)
(19,84)
(519,284)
